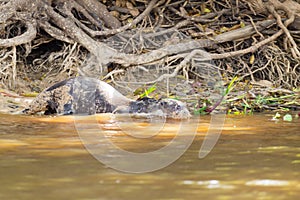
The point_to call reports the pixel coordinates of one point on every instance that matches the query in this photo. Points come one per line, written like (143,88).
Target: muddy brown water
(255,158)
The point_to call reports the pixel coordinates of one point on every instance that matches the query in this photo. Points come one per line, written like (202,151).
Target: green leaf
(287,118)
(148,91)
(242,24)
(30,94)
(206,10)
(230,86)
(200,111)
(276,116)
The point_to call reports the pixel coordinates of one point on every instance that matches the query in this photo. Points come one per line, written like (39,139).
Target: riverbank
(244,98)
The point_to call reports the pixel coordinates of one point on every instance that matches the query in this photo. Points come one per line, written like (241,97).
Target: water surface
(255,158)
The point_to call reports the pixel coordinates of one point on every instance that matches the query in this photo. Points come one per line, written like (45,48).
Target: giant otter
(84,95)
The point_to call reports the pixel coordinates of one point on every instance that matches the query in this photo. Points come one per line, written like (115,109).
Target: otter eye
(178,107)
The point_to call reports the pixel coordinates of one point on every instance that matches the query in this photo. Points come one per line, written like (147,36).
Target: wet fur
(83,95)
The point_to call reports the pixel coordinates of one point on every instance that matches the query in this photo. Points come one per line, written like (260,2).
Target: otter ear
(121,110)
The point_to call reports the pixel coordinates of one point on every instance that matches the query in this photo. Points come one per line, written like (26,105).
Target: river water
(254,158)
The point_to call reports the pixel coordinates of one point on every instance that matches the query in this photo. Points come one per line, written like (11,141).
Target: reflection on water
(255,158)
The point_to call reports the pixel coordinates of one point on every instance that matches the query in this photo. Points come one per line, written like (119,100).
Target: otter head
(144,105)
(169,108)
(174,109)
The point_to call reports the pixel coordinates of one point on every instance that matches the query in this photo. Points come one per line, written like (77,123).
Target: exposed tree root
(254,39)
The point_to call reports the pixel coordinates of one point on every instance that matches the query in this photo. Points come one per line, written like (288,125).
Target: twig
(178,67)
(110,74)
(14,65)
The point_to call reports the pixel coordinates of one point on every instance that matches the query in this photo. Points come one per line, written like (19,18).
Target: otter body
(84,95)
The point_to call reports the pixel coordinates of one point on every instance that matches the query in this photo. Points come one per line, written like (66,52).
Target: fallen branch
(185,46)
